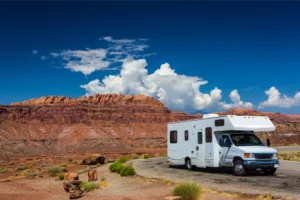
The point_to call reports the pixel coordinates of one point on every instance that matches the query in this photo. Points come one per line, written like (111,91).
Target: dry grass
(293,156)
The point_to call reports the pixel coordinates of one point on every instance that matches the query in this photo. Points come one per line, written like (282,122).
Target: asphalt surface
(288,148)
(285,183)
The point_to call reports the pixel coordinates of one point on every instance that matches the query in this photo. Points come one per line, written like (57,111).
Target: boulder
(94,159)
(92,175)
(71,176)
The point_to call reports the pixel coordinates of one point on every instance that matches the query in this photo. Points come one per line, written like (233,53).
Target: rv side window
(186,135)
(199,137)
(208,133)
(219,122)
(173,137)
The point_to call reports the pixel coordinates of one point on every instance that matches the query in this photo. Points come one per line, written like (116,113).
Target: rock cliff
(104,123)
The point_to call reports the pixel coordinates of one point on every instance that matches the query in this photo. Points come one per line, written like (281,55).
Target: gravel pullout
(283,184)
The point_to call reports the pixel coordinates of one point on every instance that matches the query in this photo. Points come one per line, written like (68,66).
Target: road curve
(285,183)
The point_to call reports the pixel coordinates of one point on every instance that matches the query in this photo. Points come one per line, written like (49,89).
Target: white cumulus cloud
(275,99)
(236,101)
(175,90)
(35,51)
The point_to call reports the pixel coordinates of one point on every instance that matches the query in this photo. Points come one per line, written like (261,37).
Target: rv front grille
(263,156)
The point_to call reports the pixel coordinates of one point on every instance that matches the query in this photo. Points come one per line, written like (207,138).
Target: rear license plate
(276,166)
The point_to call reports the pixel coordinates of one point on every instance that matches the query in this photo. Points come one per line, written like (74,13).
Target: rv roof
(239,123)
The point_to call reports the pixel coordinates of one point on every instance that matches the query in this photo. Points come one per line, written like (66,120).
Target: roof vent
(212,115)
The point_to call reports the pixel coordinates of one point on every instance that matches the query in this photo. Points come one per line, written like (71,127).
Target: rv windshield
(246,140)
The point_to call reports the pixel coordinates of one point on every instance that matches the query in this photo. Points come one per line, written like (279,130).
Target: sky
(193,56)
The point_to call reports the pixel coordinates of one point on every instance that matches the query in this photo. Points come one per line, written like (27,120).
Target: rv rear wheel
(238,168)
(188,164)
(269,171)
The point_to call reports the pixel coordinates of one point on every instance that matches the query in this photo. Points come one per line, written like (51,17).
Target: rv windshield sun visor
(251,123)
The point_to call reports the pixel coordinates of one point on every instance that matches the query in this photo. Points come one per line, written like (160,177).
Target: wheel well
(186,158)
(236,159)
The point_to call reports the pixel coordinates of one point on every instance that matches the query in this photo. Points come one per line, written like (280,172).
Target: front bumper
(261,164)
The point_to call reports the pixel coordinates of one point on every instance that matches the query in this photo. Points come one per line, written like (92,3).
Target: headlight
(249,155)
(275,155)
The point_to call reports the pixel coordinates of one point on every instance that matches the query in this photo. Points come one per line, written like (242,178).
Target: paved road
(285,183)
(288,148)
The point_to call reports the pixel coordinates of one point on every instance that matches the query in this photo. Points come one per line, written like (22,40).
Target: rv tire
(188,164)
(239,168)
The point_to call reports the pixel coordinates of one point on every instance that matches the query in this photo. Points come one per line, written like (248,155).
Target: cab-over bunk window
(208,135)
(173,136)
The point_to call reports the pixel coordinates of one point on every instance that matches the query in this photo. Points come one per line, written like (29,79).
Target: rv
(222,141)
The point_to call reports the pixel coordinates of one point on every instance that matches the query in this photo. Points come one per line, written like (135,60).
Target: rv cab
(222,141)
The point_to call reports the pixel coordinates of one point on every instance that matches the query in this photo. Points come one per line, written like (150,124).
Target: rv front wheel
(238,168)
(188,164)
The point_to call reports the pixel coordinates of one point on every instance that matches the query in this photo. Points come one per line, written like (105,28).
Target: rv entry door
(199,149)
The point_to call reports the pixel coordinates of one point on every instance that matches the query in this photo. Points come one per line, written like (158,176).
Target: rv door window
(186,135)
(199,137)
(173,137)
(208,134)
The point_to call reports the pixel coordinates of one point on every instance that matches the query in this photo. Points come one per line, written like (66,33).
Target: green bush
(188,191)
(88,186)
(123,159)
(54,170)
(127,171)
(61,177)
(135,156)
(146,156)
(3,170)
(116,167)
(22,167)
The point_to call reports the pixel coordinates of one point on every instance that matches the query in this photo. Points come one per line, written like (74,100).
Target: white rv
(222,141)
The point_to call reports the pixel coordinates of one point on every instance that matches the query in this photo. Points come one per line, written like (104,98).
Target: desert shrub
(123,159)
(26,172)
(54,170)
(103,178)
(22,167)
(63,165)
(164,155)
(188,191)
(98,165)
(11,163)
(127,171)
(3,170)
(135,156)
(40,175)
(297,154)
(70,160)
(75,162)
(116,167)
(146,156)
(89,186)
(61,177)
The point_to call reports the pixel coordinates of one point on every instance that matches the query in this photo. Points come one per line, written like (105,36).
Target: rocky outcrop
(105,123)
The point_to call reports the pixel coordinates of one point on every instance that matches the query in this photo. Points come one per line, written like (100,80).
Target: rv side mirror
(268,143)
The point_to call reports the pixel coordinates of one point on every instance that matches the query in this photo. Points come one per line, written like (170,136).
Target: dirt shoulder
(284,184)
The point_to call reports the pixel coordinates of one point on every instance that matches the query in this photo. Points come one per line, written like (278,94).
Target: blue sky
(243,46)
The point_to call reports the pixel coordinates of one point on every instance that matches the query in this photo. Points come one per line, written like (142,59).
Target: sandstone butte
(106,123)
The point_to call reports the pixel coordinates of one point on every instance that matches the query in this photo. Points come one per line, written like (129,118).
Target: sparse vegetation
(188,191)
(89,186)
(146,156)
(98,165)
(61,177)
(3,170)
(127,171)
(293,156)
(22,167)
(70,160)
(123,159)
(164,155)
(103,178)
(26,172)
(135,156)
(54,170)
(116,167)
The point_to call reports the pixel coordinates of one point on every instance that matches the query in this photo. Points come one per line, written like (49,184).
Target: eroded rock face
(105,123)
(98,124)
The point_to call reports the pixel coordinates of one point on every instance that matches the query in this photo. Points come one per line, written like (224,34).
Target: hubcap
(239,168)
(189,164)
